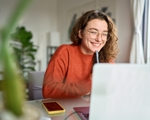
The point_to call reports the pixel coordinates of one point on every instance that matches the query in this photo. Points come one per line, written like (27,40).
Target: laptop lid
(120,92)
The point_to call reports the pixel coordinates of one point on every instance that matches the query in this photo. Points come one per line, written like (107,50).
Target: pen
(97,56)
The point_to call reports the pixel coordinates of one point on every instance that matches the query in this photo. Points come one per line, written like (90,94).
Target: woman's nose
(98,38)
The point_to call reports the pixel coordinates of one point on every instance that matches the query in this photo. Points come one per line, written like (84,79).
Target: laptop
(119,92)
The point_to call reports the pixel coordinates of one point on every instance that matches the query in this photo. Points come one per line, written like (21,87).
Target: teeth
(96,45)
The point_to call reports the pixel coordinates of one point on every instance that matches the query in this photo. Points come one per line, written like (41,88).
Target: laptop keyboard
(86,115)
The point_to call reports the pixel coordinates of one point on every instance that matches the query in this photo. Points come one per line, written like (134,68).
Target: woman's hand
(88,93)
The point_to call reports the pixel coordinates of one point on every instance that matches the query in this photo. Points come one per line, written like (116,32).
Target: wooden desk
(68,105)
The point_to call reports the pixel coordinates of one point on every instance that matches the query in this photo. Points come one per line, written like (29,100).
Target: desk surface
(67,104)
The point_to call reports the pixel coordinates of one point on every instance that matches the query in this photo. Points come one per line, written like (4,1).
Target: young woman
(69,72)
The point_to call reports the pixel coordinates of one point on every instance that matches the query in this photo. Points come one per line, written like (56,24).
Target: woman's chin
(95,49)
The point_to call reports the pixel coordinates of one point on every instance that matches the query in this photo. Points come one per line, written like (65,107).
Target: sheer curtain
(146,31)
(136,54)
(148,37)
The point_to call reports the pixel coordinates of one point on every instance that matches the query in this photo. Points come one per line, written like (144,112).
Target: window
(146,31)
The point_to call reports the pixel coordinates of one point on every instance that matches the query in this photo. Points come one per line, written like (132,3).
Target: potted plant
(24,49)
(13,105)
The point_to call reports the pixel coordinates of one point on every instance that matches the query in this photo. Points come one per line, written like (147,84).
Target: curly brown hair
(110,50)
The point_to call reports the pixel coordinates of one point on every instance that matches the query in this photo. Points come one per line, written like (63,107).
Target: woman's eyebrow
(105,31)
(98,30)
(93,29)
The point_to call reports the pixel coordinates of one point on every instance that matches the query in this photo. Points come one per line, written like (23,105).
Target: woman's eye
(93,32)
(105,34)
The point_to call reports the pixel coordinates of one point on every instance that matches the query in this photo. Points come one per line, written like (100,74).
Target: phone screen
(53,106)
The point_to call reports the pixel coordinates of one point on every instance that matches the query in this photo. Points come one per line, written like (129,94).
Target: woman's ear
(80,34)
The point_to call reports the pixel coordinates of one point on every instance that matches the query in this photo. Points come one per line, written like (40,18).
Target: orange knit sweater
(68,74)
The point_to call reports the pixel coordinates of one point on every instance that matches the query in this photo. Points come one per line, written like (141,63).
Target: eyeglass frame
(98,33)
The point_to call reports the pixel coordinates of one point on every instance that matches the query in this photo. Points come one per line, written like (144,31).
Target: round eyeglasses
(94,34)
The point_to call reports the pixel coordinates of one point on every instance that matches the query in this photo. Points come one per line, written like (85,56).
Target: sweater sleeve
(55,84)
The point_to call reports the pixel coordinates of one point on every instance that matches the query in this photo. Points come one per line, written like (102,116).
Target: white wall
(125,29)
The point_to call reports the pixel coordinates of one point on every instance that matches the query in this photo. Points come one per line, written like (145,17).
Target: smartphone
(53,108)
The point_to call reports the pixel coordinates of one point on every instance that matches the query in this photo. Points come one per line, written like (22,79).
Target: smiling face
(94,36)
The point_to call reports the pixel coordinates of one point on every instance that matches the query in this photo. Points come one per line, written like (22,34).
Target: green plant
(24,49)
(13,90)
